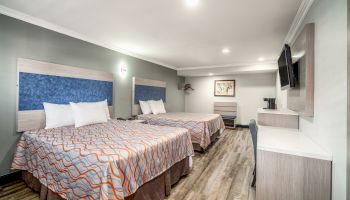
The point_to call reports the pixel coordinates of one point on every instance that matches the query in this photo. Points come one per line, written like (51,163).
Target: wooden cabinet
(290,177)
(290,166)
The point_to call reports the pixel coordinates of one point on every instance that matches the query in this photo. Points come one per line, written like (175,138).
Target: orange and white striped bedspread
(201,126)
(101,161)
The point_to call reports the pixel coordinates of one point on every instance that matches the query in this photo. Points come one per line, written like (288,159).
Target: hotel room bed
(115,160)
(110,159)
(204,128)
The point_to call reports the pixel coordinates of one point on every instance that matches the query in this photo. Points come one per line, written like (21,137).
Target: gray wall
(20,39)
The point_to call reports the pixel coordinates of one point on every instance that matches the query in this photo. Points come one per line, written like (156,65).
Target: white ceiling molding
(201,56)
(243,68)
(228,65)
(42,23)
(290,38)
(218,71)
(298,19)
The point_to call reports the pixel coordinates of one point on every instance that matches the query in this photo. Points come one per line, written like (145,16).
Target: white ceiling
(169,32)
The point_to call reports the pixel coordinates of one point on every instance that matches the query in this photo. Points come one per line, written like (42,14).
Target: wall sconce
(123,70)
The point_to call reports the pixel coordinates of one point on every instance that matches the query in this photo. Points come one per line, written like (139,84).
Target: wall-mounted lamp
(123,70)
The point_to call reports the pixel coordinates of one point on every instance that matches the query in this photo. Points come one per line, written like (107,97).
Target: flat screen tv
(285,68)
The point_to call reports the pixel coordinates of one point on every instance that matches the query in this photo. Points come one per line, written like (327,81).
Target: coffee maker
(270,103)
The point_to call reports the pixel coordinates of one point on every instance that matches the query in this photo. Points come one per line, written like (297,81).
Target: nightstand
(229,121)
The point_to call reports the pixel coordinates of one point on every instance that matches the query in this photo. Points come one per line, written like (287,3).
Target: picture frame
(225,88)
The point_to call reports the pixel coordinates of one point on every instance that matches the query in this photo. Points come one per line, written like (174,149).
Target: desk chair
(254,132)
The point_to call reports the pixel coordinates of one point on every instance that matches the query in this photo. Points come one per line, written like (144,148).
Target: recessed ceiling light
(261,59)
(225,50)
(192,3)
(210,74)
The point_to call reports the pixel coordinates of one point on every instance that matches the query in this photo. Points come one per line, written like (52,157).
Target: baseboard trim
(10,177)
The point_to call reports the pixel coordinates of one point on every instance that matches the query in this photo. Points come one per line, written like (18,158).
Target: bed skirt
(197,147)
(156,189)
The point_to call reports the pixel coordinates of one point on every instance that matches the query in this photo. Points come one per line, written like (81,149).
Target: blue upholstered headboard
(146,89)
(40,82)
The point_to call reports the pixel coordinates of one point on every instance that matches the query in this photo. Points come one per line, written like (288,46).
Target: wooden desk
(291,167)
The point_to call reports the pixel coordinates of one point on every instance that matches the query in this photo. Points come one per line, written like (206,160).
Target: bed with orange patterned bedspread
(101,161)
(202,126)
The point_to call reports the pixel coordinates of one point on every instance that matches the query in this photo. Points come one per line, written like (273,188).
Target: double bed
(113,160)
(104,161)
(204,128)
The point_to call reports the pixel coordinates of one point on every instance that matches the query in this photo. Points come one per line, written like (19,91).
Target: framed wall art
(224,88)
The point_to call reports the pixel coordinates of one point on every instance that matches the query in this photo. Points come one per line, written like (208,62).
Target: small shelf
(229,121)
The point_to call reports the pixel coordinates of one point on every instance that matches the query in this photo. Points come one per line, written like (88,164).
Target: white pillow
(58,115)
(88,113)
(157,107)
(105,105)
(145,107)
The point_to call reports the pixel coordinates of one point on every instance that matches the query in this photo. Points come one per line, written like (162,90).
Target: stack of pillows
(151,106)
(77,114)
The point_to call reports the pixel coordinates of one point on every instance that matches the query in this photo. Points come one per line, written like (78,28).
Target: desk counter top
(277,112)
(289,141)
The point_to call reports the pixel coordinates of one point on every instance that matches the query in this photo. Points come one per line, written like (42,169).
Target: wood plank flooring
(223,172)
(17,190)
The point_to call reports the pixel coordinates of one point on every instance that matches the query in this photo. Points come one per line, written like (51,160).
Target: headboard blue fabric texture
(145,93)
(40,82)
(144,90)
(34,89)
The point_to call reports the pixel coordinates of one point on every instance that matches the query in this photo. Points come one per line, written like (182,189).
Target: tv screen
(285,68)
